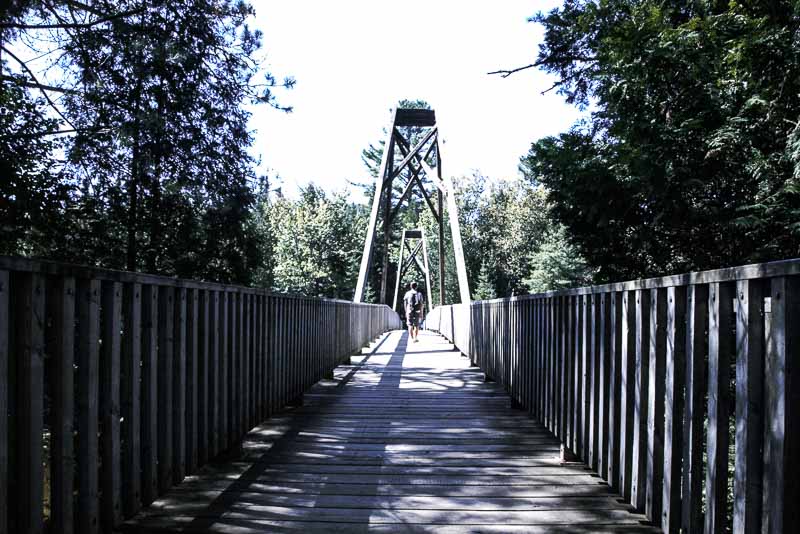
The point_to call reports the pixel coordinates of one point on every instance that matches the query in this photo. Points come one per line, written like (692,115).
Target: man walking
(413,303)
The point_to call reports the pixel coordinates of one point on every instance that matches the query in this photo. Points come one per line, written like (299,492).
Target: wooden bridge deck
(408,438)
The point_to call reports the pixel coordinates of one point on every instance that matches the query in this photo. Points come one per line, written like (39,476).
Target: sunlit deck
(408,438)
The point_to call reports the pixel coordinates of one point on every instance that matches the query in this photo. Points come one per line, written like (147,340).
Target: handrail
(631,376)
(114,386)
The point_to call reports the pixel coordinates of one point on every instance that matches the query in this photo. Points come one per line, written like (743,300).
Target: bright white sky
(354,59)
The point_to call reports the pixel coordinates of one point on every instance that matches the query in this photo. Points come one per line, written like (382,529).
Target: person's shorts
(413,319)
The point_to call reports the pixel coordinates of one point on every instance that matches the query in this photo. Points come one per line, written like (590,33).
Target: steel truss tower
(423,160)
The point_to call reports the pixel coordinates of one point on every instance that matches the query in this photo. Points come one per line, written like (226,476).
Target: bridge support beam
(422,164)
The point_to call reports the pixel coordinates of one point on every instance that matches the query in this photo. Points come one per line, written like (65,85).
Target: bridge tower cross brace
(417,160)
(422,267)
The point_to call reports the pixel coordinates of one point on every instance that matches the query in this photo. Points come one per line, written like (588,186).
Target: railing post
(747,497)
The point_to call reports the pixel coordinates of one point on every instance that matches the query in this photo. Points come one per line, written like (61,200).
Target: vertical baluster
(674,370)
(30,313)
(749,403)
(655,404)
(214,372)
(614,389)
(720,349)
(88,360)
(640,387)
(569,347)
(60,301)
(204,337)
(586,377)
(5,385)
(166,341)
(696,324)
(603,438)
(149,393)
(627,380)
(130,389)
(192,385)
(111,507)
(577,377)
(594,381)
(179,388)
(224,369)
(782,408)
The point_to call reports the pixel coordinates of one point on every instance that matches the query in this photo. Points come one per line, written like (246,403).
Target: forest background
(689,156)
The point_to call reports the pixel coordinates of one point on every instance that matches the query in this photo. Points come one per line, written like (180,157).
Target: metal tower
(424,160)
(421,266)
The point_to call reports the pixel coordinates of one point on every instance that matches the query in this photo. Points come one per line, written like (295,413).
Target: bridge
(140,403)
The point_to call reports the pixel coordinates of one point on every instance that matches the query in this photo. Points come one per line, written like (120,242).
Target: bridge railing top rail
(731,274)
(56,268)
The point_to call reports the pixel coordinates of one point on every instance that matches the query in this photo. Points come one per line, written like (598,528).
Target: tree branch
(33,77)
(69,25)
(35,85)
(507,73)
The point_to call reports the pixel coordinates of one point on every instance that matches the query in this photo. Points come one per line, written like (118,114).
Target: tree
(689,159)
(31,197)
(317,244)
(155,94)
(557,264)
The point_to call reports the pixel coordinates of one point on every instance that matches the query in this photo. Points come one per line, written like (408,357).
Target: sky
(355,59)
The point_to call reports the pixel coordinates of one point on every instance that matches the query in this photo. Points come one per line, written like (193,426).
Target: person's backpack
(416,301)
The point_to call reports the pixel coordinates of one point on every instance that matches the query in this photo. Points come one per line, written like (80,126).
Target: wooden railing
(652,382)
(114,386)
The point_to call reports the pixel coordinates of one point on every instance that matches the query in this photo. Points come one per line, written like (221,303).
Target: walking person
(413,302)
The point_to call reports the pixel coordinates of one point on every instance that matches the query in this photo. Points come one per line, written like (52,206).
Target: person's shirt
(408,298)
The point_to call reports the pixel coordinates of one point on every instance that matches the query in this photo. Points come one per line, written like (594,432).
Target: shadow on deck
(408,438)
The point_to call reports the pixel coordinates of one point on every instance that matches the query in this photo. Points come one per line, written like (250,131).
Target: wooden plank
(5,386)
(585,377)
(569,363)
(640,404)
(111,469)
(558,340)
(696,325)
(577,378)
(204,343)
(166,344)
(224,368)
(747,479)
(782,405)
(179,388)
(594,381)
(192,378)
(30,402)
(130,400)
(88,372)
(655,404)
(149,394)
(627,381)
(270,355)
(244,362)
(565,351)
(720,350)
(258,333)
(405,465)
(604,392)
(674,370)
(60,300)
(214,373)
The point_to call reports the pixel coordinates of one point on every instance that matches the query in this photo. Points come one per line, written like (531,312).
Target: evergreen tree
(690,158)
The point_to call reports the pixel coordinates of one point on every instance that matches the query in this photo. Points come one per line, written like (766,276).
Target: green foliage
(158,171)
(31,196)
(557,264)
(689,160)
(318,241)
